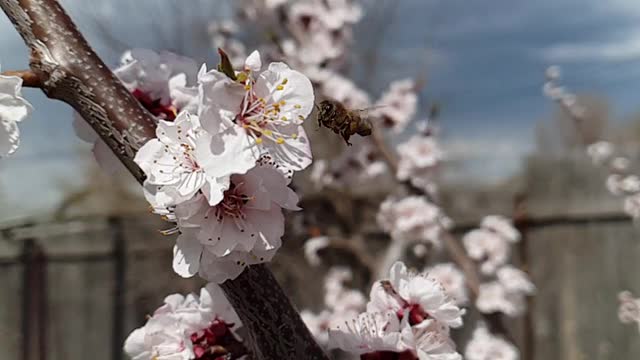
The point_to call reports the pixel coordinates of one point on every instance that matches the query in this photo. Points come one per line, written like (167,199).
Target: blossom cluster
(360,168)
(341,304)
(452,280)
(187,327)
(408,316)
(419,160)
(13,109)
(486,346)
(413,219)
(225,150)
(629,309)
(221,169)
(620,182)
(490,244)
(506,287)
(603,153)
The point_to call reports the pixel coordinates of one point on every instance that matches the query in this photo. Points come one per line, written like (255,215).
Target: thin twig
(29,78)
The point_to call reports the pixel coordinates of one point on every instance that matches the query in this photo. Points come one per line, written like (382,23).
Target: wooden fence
(75,289)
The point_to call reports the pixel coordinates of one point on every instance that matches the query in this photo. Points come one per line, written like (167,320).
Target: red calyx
(165,112)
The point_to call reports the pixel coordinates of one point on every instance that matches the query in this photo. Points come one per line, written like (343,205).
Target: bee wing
(371,108)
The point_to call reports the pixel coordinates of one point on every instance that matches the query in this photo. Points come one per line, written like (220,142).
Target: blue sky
(483,60)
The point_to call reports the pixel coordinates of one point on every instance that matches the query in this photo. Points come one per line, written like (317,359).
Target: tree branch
(29,78)
(67,69)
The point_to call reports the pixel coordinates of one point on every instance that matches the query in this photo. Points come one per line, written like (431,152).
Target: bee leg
(346,136)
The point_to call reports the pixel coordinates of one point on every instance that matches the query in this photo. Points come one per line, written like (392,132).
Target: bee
(342,121)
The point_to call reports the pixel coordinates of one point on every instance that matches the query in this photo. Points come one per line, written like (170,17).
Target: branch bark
(67,69)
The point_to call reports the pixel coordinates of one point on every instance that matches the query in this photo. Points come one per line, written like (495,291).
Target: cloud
(626,49)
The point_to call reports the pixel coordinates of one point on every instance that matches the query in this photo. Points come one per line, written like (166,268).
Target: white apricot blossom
(629,309)
(164,83)
(600,152)
(489,248)
(452,279)
(493,297)
(13,109)
(491,243)
(412,219)
(320,31)
(340,88)
(429,341)
(245,227)
(184,159)
(507,294)
(267,107)
(501,226)
(398,105)
(515,280)
(423,298)
(311,248)
(338,297)
(341,304)
(369,332)
(485,346)
(632,205)
(619,184)
(418,160)
(186,327)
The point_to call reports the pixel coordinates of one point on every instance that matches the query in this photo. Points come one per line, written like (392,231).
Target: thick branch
(275,328)
(70,71)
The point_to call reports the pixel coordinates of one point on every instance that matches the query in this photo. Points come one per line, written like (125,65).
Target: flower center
(212,342)
(261,117)
(232,204)
(154,106)
(189,160)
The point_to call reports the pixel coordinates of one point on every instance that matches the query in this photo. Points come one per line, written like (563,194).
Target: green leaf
(225,66)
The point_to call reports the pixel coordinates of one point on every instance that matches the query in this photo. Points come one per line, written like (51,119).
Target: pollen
(300,117)
(284,118)
(279,87)
(280,141)
(242,77)
(294,136)
(247,87)
(267,132)
(258,140)
(297,106)
(282,102)
(285,81)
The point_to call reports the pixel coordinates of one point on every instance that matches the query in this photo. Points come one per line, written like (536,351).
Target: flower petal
(186,255)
